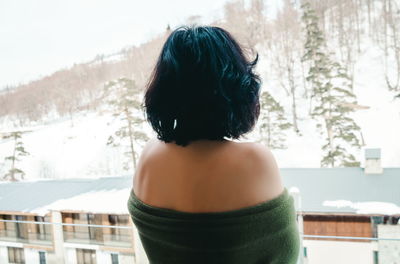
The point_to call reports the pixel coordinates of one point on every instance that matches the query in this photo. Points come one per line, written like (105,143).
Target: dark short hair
(202,87)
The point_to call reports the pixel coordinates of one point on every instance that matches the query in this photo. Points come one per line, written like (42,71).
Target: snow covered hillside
(380,123)
(75,146)
(64,150)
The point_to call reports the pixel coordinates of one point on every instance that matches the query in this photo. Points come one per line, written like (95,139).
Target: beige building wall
(335,252)
(389,251)
(3,254)
(58,237)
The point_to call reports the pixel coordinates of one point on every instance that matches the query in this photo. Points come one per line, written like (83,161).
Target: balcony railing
(122,237)
(28,238)
(97,237)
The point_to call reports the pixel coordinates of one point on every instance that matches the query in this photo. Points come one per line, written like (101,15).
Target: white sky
(38,37)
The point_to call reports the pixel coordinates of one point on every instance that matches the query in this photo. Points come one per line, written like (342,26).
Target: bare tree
(286,50)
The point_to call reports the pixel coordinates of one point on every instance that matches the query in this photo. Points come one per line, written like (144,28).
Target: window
(75,216)
(376,257)
(85,256)
(21,230)
(42,257)
(92,230)
(118,220)
(114,258)
(79,232)
(112,219)
(375,221)
(305,252)
(41,229)
(16,255)
(6,228)
(82,231)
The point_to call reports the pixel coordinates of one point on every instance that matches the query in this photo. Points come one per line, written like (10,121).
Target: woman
(197,196)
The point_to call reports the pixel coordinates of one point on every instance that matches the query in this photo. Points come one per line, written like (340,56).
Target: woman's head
(202,87)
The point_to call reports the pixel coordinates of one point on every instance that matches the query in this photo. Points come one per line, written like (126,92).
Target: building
(349,202)
(96,228)
(344,202)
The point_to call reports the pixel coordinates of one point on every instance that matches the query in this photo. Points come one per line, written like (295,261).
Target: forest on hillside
(308,50)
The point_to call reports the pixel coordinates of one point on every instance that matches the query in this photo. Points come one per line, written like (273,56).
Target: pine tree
(273,122)
(332,95)
(18,151)
(122,95)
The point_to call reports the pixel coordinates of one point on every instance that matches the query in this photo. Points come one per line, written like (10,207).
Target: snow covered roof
(101,195)
(345,190)
(322,190)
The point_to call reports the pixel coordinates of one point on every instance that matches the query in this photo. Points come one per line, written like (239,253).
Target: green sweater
(265,233)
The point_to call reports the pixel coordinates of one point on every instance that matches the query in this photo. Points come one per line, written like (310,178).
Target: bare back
(206,176)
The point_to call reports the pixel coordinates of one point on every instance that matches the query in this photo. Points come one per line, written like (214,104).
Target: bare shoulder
(243,173)
(141,166)
(263,172)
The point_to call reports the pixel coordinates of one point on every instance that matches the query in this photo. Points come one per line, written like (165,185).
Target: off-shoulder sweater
(265,233)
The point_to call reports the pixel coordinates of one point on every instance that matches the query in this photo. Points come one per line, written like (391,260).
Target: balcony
(26,236)
(124,239)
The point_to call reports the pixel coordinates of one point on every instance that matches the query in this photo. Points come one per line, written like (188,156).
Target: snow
(62,150)
(67,148)
(93,202)
(371,207)
(380,123)
(294,189)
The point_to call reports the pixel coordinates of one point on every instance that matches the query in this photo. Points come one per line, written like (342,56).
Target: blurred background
(72,78)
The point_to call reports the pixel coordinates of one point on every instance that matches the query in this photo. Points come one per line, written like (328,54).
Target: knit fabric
(265,233)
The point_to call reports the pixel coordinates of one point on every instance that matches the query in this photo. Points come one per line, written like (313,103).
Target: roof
(322,190)
(345,190)
(101,195)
